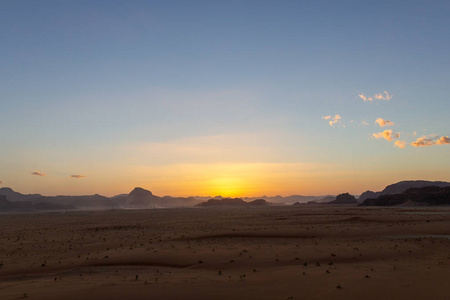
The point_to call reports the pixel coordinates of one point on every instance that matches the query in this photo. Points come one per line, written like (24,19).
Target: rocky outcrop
(344,198)
(400,187)
(141,198)
(430,195)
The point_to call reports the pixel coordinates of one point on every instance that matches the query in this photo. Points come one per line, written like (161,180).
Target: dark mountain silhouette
(344,198)
(80,202)
(236,202)
(15,196)
(368,195)
(400,187)
(140,198)
(28,206)
(224,202)
(430,195)
(258,202)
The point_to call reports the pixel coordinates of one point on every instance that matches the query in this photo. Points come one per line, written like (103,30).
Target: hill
(223,202)
(430,195)
(344,198)
(400,187)
(15,196)
(28,206)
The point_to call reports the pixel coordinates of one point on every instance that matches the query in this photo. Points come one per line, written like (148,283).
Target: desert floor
(285,252)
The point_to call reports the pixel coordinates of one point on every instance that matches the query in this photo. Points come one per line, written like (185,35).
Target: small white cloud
(326,117)
(37,173)
(382,96)
(362,96)
(400,144)
(364,123)
(387,135)
(383,122)
(335,120)
(77,176)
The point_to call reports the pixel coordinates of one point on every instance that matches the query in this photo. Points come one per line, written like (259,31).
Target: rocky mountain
(400,187)
(15,196)
(344,198)
(140,198)
(430,195)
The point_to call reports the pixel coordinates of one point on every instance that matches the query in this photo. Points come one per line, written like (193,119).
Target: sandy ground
(224,253)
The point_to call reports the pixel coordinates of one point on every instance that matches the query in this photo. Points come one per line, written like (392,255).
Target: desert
(274,252)
(224,150)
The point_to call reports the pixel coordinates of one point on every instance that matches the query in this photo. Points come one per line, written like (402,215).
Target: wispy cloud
(365,98)
(333,120)
(37,173)
(387,135)
(383,122)
(364,123)
(400,144)
(382,96)
(77,176)
(426,141)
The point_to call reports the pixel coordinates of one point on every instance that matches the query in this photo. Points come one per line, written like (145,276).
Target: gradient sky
(236,98)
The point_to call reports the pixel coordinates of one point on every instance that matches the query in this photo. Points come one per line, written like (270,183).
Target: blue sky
(203,97)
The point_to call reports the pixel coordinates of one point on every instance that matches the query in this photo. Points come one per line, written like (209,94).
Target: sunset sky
(231,98)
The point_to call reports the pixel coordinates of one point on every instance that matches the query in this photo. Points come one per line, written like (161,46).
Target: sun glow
(226,186)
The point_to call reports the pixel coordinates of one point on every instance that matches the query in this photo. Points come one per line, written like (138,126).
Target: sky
(231,98)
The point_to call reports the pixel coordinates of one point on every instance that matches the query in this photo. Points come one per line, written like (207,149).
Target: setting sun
(226,187)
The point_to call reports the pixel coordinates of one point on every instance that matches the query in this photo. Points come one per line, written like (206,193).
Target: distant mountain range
(140,198)
(137,199)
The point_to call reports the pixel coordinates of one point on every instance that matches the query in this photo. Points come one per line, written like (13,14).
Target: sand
(327,252)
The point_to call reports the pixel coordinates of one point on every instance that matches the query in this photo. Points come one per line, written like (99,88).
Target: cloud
(387,134)
(383,122)
(1,182)
(37,173)
(426,141)
(333,120)
(443,140)
(364,123)
(400,144)
(77,176)
(382,96)
(365,98)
